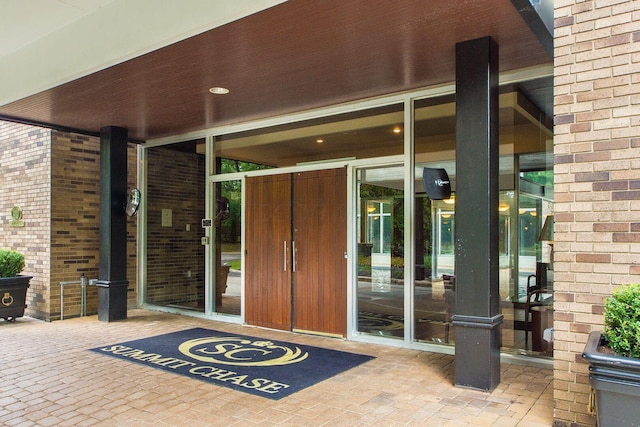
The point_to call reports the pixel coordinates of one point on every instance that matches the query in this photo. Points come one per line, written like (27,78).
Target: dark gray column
(478,319)
(112,278)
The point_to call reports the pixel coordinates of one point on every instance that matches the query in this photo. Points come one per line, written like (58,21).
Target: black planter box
(13,296)
(616,380)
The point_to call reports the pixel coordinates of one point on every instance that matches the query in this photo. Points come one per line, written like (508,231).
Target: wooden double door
(296,241)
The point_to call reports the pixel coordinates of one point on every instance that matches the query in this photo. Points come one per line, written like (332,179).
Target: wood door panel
(320,235)
(268,229)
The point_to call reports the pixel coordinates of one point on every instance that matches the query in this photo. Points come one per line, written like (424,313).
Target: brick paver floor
(49,378)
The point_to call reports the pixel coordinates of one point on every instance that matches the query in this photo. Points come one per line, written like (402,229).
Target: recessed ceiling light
(319,140)
(397,129)
(217,90)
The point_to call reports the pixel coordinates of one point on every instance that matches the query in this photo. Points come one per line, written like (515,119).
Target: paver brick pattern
(49,378)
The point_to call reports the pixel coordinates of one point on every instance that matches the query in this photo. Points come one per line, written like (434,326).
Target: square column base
(477,362)
(112,300)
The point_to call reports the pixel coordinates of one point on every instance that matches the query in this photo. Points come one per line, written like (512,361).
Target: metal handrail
(83,282)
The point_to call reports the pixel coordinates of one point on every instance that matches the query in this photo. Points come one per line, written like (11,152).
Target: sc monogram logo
(379,323)
(241,352)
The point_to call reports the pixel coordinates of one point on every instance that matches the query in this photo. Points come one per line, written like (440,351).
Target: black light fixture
(436,183)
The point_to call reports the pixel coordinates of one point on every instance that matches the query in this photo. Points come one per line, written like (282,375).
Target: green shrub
(11,263)
(622,321)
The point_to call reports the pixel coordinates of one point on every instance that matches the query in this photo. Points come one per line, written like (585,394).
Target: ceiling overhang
(114,32)
(288,57)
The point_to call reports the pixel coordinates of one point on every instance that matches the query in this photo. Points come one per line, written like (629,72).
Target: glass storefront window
(175,207)
(381,288)
(525,199)
(228,259)
(434,284)
(380,270)
(376,132)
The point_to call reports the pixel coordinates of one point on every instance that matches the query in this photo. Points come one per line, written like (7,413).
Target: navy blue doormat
(272,369)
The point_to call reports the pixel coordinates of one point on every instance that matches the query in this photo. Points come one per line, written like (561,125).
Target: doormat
(268,368)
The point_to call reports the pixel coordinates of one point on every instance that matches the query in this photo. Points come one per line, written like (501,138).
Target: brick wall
(597,180)
(75,221)
(175,256)
(25,182)
(54,178)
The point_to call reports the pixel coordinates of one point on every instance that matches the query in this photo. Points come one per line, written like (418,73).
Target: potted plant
(13,286)
(614,360)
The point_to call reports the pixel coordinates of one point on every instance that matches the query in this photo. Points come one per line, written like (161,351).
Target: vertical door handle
(293,249)
(285,256)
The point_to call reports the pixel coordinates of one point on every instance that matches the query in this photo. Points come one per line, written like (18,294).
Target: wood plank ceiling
(292,57)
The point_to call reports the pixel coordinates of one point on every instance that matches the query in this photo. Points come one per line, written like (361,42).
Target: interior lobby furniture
(538,295)
(541,319)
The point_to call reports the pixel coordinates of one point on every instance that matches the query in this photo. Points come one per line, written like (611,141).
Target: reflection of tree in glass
(232,190)
(372,192)
(540,177)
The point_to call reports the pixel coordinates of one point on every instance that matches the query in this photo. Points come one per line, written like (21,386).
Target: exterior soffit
(295,56)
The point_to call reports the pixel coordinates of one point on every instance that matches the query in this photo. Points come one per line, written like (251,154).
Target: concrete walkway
(48,378)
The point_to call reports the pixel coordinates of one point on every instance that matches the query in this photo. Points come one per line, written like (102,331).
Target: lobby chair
(536,288)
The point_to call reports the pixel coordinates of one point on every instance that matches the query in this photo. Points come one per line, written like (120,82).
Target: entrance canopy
(150,70)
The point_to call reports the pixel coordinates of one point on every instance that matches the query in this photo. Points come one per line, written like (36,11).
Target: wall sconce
(546,235)
(436,183)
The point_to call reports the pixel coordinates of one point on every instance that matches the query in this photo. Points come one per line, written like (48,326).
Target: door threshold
(322,334)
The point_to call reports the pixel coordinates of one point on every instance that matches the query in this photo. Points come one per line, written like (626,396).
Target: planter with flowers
(614,360)
(13,286)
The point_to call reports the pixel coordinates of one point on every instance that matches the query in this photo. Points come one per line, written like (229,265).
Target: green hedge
(11,263)
(622,321)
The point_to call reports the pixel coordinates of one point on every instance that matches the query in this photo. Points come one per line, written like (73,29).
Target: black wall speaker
(436,183)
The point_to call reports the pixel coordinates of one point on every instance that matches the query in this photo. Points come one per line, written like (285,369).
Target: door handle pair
(293,250)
